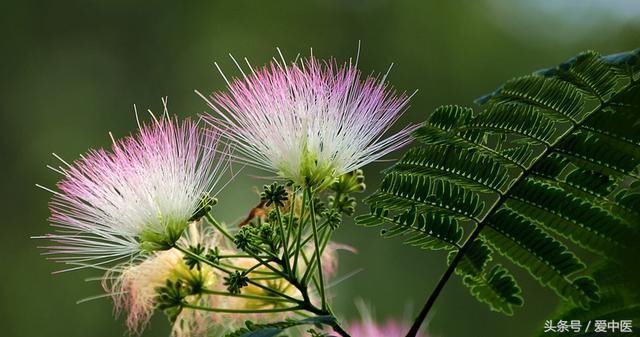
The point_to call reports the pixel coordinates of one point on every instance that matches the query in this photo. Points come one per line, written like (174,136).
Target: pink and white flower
(372,329)
(368,326)
(134,286)
(139,196)
(310,121)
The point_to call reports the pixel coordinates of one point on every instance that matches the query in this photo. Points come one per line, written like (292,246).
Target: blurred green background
(72,70)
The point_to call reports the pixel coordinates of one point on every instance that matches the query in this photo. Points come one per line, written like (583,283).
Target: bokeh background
(71,71)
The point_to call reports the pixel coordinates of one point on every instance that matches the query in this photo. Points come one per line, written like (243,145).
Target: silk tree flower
(310,121)
(372,329)
(330,257)
(369,327)
(137,197)
(134,286)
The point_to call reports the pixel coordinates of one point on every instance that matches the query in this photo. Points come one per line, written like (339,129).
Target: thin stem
(252,269)
(265,278)
(240,311)
(201,259)
(281,294)
(292,211)
(233,256)
(261,272)
(214,265)
(299,233)
(314,226)
(310,236)
(266,264)
(326,234)
(228,235)
(443,281)
(308,272)
(337,328)
(218,226)
(247,296)
(269,254)
(283,238)
(326,312)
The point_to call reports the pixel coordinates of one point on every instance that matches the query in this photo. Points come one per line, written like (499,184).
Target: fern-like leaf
(551,158)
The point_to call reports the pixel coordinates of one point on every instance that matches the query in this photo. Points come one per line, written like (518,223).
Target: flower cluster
(311,121)
(142,210)
(137,197)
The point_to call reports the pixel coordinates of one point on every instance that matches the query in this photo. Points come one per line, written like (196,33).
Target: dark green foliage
(549,162)
(620,301)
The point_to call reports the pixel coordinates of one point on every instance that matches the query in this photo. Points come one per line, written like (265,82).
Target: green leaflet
(521,119)
(428,231)
(592,76)
(496,287)
(548,260)
(466,167)
(420,189)
(599,153)
(550,158)
(568,215)
(561,100)
(476,259)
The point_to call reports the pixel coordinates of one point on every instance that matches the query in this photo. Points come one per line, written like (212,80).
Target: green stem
(326,234)
(233,256)
(247,296)
(271,290)
(267,278)
(261,272)
(201,259)
(308,272)
(269,254)
(285,242)
(443,281)
(270,267)
(325,312)
(240,311)
(228,235)
(301,224)
(292,211)
(310,236)
(314,226)
(216,266)
(218,226)
(337,328)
